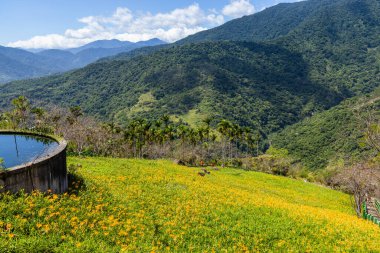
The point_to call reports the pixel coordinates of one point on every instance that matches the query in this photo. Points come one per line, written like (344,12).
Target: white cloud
(238,8)
(124,24)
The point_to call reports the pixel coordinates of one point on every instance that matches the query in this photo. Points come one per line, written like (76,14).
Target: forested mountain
(21,64)
(341,45)
(256,85)
(102,44)
(285,18)
(339,39)
(268,24)
(17,64)
(333,136)
(104,48)
(310,56)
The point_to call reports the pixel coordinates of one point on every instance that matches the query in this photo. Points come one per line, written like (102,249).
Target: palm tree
(21,107)
(39,113)
(207,131)
(182,132)
(224,127)
(166,119)
(237,133)
(75,113)
(246,137)
(144,131)
(130,136)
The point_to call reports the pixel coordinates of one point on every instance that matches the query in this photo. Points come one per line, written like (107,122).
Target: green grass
(143,206)
(193,118)
(145,103)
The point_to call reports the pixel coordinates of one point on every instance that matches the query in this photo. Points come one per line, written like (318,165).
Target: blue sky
(69,23)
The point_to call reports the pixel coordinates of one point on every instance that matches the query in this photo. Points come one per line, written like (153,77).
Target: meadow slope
(156,206)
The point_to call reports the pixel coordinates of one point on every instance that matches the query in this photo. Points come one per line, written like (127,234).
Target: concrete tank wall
(46,173)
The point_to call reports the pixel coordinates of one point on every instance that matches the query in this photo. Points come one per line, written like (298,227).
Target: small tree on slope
(362,181)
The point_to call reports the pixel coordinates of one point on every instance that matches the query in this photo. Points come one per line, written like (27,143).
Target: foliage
(279,162)
(269,24)
(268,164)
(337,38)
(362,181)
(338,133)
(139,138)
(261,86)
(136,205)
(1,163)
(372,133)
(312,54)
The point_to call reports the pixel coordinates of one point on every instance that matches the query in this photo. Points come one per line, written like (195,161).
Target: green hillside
(312,55)
(338,39)
(341,45)
(17,64)
(156,206)
(334,136)
(262,86)
(269,24)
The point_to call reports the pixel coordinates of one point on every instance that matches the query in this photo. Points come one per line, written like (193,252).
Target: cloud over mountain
(124,24)
(238,8)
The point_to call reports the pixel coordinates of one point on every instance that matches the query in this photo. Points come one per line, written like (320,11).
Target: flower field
(120,205)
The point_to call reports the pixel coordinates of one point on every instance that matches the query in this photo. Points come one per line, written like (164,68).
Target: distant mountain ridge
(22,64)
(110,44)
(101,44)
(261,86)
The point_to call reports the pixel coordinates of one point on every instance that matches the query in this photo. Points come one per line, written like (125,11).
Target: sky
(72,23)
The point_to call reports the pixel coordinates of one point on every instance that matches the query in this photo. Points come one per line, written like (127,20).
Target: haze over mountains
(266,71)
(22,64)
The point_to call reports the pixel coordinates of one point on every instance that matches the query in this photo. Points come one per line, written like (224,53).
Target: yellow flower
(46,228)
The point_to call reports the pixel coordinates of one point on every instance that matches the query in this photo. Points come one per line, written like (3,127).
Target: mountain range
(22,64)
(281,66)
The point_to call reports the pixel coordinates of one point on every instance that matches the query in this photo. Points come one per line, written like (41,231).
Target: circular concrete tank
(47,172)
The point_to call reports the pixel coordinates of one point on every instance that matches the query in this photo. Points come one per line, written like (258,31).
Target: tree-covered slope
(327,51)
(281,20)
(333,136)
(341,44)
(17,64)
(268,24)
(12,69)
(339,39)
(256,85)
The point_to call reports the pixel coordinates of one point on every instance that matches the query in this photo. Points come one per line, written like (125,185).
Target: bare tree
(362,181)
